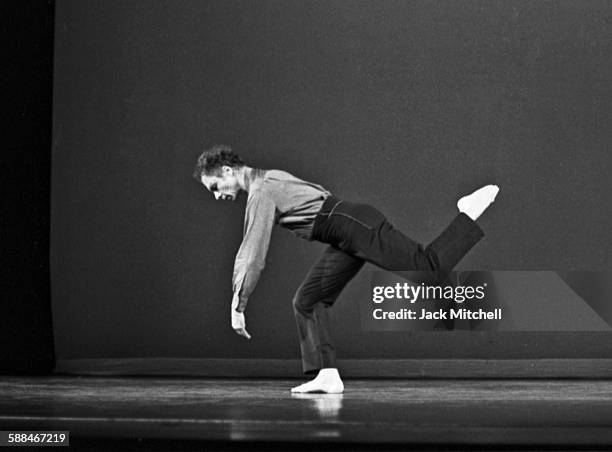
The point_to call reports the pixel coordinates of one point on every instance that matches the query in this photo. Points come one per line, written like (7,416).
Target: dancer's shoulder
(281,176)
(275,174)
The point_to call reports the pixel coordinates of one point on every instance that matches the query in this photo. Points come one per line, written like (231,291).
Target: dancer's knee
(439,271)
(432,260)
(305,303)
(300,302)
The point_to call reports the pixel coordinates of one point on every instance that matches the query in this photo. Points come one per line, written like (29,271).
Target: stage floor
(421,413)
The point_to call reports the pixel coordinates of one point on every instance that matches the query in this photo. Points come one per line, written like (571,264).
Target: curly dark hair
(214,158)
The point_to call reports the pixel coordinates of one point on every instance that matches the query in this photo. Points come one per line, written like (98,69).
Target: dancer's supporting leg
(318,292)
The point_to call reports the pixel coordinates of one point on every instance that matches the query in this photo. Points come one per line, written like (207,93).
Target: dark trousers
(359,233)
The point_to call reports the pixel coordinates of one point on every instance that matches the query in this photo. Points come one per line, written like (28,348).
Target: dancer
(356,233)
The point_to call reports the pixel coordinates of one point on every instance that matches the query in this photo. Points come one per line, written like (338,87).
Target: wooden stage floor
(380,413)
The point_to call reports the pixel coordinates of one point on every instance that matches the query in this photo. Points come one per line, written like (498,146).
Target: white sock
(329,372)
(474,204)
(327,381)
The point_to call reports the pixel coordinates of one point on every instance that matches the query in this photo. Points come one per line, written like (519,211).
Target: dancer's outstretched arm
(251,257)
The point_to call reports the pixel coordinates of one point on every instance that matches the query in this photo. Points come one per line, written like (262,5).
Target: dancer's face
(224,186)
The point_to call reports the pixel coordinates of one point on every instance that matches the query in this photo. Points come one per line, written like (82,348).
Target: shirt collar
(252,175)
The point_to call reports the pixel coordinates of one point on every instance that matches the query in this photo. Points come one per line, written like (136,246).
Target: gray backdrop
(405,105)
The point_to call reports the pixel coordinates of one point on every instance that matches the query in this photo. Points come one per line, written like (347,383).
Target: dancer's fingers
(242,332)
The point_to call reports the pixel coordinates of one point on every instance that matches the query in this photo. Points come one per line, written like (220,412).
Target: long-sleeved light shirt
(274,197)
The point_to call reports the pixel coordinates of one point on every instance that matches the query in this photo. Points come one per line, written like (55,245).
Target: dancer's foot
(327,381)
(474,204)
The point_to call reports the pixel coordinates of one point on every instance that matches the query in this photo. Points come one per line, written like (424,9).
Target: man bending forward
(356,233)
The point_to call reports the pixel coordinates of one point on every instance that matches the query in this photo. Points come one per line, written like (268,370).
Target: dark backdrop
(26,337)
(405,105)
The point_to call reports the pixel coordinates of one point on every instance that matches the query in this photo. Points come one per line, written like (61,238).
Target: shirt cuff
(242,304)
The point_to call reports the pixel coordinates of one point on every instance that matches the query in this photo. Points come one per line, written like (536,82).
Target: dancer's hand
(238,321)
(238,324)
